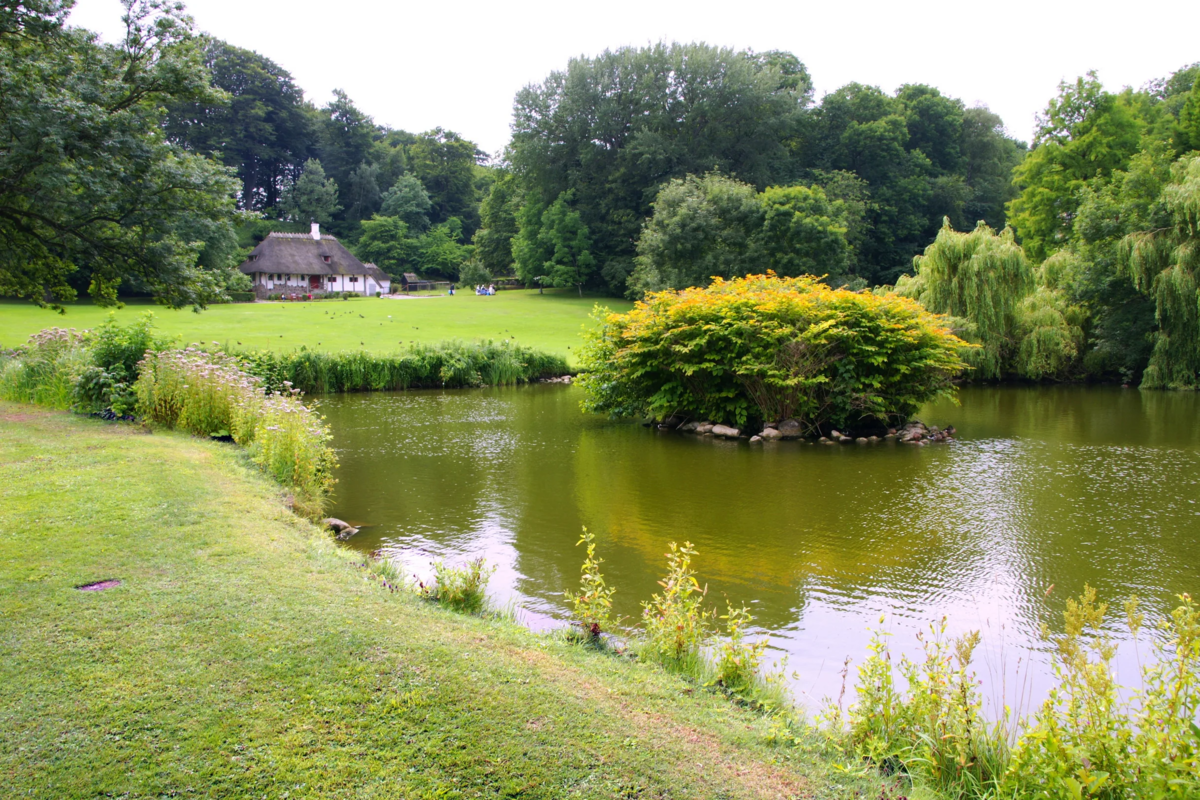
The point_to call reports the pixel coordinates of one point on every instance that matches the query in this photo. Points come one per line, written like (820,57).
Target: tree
(614,128)
(91,194)
(441,253)
(260,126)
(498,225)
(408,200)
(566,241)
(701,228)
(312,197)
(445,163)
(362,192)
(385,242)
(1086,133)
(1164,263)
(1187,128)
(979,277)
(346,137)
(802,233)
(989,157)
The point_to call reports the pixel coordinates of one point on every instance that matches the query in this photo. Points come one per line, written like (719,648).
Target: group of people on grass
(484,291)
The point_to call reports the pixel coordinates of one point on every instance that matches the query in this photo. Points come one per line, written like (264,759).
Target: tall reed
(445,365)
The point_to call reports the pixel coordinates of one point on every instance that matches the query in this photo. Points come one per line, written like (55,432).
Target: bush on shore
(764,348)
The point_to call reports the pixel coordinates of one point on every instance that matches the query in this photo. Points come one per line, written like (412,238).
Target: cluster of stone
(915,432)
(560,379)
(344,530)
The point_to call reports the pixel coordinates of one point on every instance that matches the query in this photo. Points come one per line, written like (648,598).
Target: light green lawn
(551,322)
(245,655)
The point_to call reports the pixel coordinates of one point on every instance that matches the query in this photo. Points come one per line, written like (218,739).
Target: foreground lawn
(244,655)
(550,322)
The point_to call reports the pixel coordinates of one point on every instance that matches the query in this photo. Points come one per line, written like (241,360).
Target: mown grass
(246,655)
(550,322)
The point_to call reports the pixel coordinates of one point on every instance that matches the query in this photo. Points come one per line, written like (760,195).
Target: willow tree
(979,278)
(1163,263)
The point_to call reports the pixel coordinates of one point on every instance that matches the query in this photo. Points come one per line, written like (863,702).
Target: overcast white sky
(458,65)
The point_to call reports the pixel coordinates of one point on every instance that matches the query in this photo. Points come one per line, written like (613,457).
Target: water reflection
(1046,487)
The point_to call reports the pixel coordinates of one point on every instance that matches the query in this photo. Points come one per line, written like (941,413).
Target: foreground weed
(458,587)
(675,620)
(592,604)
(739,662)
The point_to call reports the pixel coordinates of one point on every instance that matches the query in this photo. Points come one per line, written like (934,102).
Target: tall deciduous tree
(803,233)
(385,242)
(498,225)
(445,163)
(91,193)
(567,243)
(408,200)
(1086,133)
(260,126)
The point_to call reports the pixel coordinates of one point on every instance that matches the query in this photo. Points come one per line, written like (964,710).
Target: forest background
(150,165)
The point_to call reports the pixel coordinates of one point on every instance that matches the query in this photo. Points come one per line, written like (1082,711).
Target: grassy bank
(245,655)
(550,322)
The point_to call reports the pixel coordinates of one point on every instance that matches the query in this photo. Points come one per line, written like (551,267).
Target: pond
(1044,491)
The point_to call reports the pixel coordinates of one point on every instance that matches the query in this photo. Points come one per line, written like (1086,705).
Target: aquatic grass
(207,394)
(458,587)
(445,365)
(45,369)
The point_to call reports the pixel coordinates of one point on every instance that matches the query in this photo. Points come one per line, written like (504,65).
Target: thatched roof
(301,254)
(376,273)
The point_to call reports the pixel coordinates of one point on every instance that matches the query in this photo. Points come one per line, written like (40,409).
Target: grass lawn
(550,322)
(245,655)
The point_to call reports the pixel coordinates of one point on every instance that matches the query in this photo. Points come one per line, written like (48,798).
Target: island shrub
(445,365)
(765,348)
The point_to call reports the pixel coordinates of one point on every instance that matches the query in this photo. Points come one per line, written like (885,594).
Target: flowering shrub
(208,394)
(768,348)
(45,369)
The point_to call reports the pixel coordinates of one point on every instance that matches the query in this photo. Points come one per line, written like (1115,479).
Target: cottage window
(326,259)
(353,279)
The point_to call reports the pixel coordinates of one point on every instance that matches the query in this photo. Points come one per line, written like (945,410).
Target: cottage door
(314,282)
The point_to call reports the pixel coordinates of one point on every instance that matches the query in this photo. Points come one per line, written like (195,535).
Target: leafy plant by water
(592,604)
(738,662)
(459,587)
(675,620)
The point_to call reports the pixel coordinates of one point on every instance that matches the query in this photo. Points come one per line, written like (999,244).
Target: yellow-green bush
(769,348)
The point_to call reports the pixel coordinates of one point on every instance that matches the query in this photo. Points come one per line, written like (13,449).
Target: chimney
(316,231)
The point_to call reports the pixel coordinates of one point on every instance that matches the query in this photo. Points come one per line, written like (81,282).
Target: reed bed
(208,394)
(447,365)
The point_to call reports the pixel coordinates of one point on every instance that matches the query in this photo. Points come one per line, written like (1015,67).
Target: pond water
(1046,489)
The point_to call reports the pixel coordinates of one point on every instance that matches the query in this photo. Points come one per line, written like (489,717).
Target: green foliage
(592,604)
(766,348)
(312,197)
(498,225)
(676,623)
(92,195)
(738,663)
(980,277)
(473,273)
(1085,133)
(386,244)
(445,163)
(116,351)
(45,369)
(448,365)
(803,233)
(208,393)
(701,228)
(440,252)
(260,126)
(1049,333)
(1187,128)
(461,588)
(1164,263)
(408,200)
(567,244)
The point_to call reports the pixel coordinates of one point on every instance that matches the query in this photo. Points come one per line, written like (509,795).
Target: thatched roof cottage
(305,263)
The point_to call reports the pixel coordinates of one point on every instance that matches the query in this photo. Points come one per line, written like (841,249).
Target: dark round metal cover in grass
(98,586)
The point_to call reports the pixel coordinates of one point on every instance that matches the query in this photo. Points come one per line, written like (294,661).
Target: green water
(1044,487)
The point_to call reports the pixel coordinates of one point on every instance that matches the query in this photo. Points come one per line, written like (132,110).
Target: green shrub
(675,621)
(738,662)
(241,297)
(116,351)
(45,369)
(449,365)
(206,394)
(767,348)
(459,587)
(592,604)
